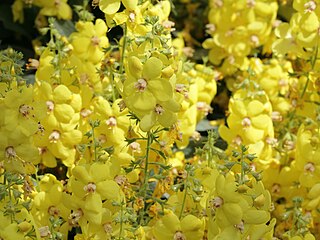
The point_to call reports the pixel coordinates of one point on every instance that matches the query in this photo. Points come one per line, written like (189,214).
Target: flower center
(50,105)
(132,16)
(85,112)
(84,78)
(272,141)
(122,105)
(10,152)
(240,226)
(42,150)
(135,147)
(218,3)
(275,188)
(196,136)
(276,116)
(237,140)
(121,180)
(255,40)
(54,136)
(141,85)
(57,3)
(310,6)
(95,3)
(90,188)
(95,41)
(251,3)
(33,63)
(44,231)
(111,122)
(168,24)
(217,202)
(246,122)
(179,236)
(204,107)
(102,138)
(53,211)
(25,110)
(159,109)
(74,218)
(289,145)
(309,167)
(108,228)
(210,28)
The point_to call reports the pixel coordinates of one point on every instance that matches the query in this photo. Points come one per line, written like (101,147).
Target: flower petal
(109,6)
(147,122)
(152,68)
(161,89)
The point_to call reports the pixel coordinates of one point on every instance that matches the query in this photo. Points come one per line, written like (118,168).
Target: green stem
(305,87)
(313,63)
(12,214)
(124,45)
(113,86)
(146,163)
(144,188)
(121,221)
(242,170)
(94,145)
(184,195)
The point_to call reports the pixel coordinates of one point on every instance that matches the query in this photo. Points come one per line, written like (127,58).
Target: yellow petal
(161,89)
(135,67)
(130,4)
(61,94)
(262,121)
(171,222)
(109,190)
(63,112)
(147,122)
(233,212)
(167,119)
(152,68)
(254,108)
(256,216)
(81,173)
(93,208)
(109,6)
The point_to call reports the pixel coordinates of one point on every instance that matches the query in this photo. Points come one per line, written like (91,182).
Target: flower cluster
(236,29)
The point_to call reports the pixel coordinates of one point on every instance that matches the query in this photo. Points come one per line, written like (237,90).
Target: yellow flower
(108,229)
(226,203)
(308,154)
(89,40)
(58,133)
(113,123)
(170,227)
(249,118)
(149,95)
(17,127)
(48,203)
(163,113)
(83,211)
(112,6)
(17,11)
(237,28)
(8,230)
(95,178)
(145,86)
(51,8)
(18,112)
(313,198)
